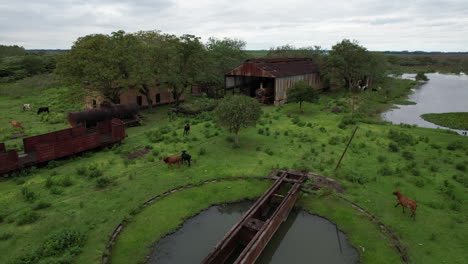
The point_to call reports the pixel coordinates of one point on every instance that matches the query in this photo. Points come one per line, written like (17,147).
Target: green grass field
(450,120)
(427,165)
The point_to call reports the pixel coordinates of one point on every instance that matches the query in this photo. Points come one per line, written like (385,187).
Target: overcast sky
(429,25)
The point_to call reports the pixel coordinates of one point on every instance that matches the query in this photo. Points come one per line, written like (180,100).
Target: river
(443,93)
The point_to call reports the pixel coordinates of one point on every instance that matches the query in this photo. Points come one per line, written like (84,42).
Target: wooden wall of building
(283,84)
(133,96)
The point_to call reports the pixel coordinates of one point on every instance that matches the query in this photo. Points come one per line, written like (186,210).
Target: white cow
(26,107)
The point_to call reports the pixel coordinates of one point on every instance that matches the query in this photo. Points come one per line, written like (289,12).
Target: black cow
(42,109)
(186,157)
(186,129)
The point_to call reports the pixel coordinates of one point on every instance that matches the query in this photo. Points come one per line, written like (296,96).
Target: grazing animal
(26,107)
(42,109)
(186,129)
(406,202)
(186,158)
(16,124)
(172,160)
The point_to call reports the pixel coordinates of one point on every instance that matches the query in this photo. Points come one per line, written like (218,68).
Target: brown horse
(16,124)
(406,202)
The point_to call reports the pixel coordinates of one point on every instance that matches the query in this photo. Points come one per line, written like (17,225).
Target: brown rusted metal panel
(252,232)
(8,161)
(31,142)
(45,151)
(64,148)
(276,68)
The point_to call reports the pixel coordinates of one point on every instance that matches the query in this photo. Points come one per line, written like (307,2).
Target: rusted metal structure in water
(246,240)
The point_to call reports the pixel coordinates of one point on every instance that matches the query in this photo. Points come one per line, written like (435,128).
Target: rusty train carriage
(62,143)
(244,243)
(273,77)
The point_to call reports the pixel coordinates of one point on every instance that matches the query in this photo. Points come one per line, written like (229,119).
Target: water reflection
(441,94)
(302,238)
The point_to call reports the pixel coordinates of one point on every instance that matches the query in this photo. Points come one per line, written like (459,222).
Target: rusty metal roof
(275,68)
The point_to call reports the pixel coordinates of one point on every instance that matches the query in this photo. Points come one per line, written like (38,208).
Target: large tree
(149,53)
(102,62)
(220,57)
(301,92)
(236,112)
(348,62)
(181,63)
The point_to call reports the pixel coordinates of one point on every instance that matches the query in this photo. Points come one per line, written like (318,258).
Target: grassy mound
(458,120)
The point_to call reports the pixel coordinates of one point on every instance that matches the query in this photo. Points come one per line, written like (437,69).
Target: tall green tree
(220,57)
(148,53)
(236,112)
(181,63)
(301,92)
(102,62)
(348,62)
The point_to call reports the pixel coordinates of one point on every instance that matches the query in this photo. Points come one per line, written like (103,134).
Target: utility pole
(344,152)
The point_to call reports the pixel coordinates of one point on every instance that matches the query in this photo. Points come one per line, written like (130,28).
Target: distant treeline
(16,63)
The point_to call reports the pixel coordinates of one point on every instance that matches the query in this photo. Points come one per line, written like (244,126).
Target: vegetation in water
(457,120)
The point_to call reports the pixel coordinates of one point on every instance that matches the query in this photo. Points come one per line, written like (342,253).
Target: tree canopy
(289,51)
(236,112)
(301,92)
(350,64)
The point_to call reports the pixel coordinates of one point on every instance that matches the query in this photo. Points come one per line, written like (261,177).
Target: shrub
(102,182)
(393,147)
(461,178)
(66,182)
(27,217)
(260,131)
(55,190)
(460,167)
(455,145)
(381,158)
(386,171)
(269,151)
(434,168)
(419,183)
(334,140)
(28,195)
(323,130)
(41,205)
(401,138)
(5,236)
(202,151)
(408,155)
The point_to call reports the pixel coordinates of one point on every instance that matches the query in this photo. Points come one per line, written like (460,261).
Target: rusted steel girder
(249,236)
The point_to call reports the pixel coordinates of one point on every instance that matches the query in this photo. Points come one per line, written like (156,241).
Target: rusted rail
(248,237)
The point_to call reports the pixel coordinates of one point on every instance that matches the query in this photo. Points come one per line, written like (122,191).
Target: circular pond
(302,238)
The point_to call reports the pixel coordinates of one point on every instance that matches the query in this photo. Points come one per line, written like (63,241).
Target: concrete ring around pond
(133,238)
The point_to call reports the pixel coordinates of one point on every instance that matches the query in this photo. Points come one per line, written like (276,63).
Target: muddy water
(441,94)
(302,238)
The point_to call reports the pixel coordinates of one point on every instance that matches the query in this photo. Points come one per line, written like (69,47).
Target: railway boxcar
(62,143)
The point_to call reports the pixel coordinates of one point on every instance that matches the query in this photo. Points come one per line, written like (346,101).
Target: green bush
(28,195)
(103,182)
(41,205)
(27,217)
(334,140)
(5,236)
(393,147)
(408,155)
(455,145)
(401,138)
(381,158)
(202,151)
(460,167)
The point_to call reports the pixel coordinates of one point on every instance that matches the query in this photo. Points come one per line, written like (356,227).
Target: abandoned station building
(269,79)
(158,95)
